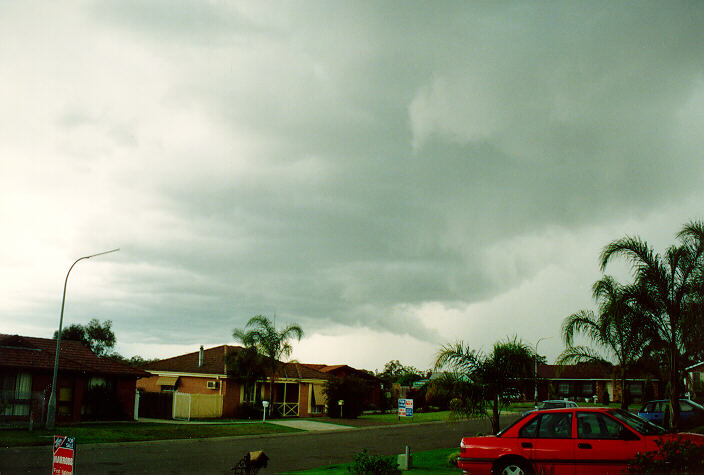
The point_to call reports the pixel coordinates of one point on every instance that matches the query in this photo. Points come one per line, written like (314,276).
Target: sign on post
(405,408)
(64,455)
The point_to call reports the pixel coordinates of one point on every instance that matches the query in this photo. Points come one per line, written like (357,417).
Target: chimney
(201,354)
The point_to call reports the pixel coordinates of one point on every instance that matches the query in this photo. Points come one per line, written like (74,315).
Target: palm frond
(584,322)
(580,354)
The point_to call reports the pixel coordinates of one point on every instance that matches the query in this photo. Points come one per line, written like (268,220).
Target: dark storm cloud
(376,165)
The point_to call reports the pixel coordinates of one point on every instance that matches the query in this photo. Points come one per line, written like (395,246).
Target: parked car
(575,440)
(691,413)
(552,404)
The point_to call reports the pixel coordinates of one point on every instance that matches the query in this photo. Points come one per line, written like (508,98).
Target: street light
(51,409)
(535,395)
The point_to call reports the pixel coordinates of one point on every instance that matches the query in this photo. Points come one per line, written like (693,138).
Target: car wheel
(513,467)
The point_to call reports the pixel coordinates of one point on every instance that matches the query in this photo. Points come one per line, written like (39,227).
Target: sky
(393,176)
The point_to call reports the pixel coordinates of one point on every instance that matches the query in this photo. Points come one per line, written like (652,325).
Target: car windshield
(640,425)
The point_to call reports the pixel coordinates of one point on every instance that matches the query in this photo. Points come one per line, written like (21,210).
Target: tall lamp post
(51,409)
(535,395)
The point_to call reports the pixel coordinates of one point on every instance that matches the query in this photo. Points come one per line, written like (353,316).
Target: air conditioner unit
(212,384)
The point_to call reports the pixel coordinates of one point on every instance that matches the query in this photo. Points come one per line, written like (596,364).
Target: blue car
(691,413)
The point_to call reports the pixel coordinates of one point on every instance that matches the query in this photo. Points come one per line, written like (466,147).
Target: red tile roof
(584,371)
(342,370)
(28,352)
(214,363)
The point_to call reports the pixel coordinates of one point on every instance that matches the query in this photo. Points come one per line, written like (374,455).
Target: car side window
(556,425)
(649,407)
(591,425)
(685,407)
(529,430)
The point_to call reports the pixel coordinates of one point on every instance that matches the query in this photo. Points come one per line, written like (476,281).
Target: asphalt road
(287,452)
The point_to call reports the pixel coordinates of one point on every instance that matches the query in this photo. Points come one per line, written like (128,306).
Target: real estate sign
(64,455)
(405,408)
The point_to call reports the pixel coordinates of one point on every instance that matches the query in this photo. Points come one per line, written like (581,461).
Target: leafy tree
(260,333)
(137,361)
(97,336)
(615,329)
(350,389)
(484,378)
(73,332)
(395,372)
(668,289)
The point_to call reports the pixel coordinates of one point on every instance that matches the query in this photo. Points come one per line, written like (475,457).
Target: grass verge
(417,417)
(427,461)
(133,431)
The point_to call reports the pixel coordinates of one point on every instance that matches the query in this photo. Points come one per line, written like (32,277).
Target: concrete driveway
(309,425)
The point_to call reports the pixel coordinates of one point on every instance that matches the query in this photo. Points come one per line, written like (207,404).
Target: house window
(16,392)
(96,381)
(249,392)
(65,400)
(587,389)
(636,389)
(563,389)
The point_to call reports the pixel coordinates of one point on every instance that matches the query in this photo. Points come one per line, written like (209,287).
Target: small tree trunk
(495,416)
(624,390)
(674,390)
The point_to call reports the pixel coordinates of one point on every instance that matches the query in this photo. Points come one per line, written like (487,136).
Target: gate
(156,405)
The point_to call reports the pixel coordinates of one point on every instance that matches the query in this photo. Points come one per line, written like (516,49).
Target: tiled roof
(332,369)
(584,371)
(38,353)
(301,371)
(214,363)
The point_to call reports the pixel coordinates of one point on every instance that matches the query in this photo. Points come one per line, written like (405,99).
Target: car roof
(666,400)
(578,408)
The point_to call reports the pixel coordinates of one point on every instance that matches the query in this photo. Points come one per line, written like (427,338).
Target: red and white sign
(64,455)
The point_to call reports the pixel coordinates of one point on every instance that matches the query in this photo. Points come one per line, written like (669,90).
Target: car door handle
(584,446)
(526,445)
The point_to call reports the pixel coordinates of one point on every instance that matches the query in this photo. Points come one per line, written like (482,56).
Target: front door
(603,444)
(549,444)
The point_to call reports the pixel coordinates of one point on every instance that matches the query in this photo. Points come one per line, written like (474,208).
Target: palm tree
(261,334)
(669,291)
(510,360)
(615,329)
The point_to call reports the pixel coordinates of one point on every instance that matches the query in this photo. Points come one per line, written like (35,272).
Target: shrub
(452,459)
(351,390)
(249,410)
(678,456)
(365,463)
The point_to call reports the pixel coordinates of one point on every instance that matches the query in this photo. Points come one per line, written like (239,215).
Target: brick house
(26,372)
(584,381)
(201,379)
(374,384)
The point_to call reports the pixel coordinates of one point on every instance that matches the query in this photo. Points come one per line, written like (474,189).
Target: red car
(577,440)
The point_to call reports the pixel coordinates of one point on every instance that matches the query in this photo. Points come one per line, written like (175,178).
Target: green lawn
(428,461)
(89,433)
(417,417)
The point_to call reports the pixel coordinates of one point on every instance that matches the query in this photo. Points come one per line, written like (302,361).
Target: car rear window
(553,425)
